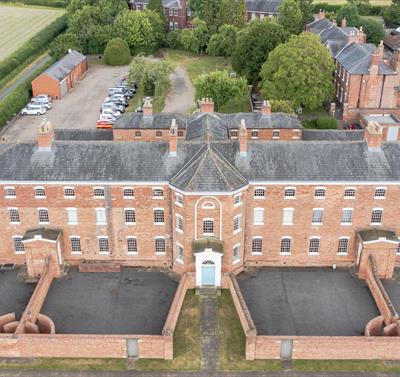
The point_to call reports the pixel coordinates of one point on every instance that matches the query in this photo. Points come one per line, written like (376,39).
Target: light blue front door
(207,275)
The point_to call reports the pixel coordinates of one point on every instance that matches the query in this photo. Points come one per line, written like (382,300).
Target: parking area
(392,287)
(128,302)
(14,295)
(307,301)
(78,109)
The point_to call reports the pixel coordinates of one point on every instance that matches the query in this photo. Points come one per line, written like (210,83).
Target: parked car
(353,126)
(116,101)
(117,97)
(139,109)
(42,97)
(104,123)
(112,106)
(112,91)
(112,112)
(45,104)
(31,109)
(107,117)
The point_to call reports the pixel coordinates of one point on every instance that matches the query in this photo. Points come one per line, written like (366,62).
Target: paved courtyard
(78,109)
(127,302)
(392,287)
(307,301)
(14,296)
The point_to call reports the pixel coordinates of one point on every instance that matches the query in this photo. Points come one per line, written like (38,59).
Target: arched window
(208,205)
(208,262)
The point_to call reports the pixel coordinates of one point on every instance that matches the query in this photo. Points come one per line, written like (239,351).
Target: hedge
(322,123)
(45,3)
(117,52)
(37,43)
(374,10)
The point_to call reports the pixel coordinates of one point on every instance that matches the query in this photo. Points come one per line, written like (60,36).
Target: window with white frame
(160,245)
(130,216)
(101,217)
(208,227)
(259,193)
(39,192)
(286,243)
(72,215)
(179,252)
(19,247)
(179,223)
(258,216)
(14,215)
(257,245)
(98,192)
(237,200)
(236,224)
(349,193)
(103,245)
(313,247)
(158,193)
(290,193)
(9,192)
(43,215)
(69,192)
(380,193)
(317,216)
(319,193)
(376,217)
(347,215)
(158,216)
(288,216)
(275,134)
(179,200)
(236,253)
(175,12)
(131,244)
(75,244)
(343,245)
(254,134)
(128,192)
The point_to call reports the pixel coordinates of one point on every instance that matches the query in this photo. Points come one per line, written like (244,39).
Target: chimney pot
(321,14)
(373,135)
(147,108)
(243,139)
(266,108)
(334,22)
(344,22)
(207,105)
(45,135)
(173,138)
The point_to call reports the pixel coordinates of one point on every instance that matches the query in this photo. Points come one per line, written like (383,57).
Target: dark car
(353,126)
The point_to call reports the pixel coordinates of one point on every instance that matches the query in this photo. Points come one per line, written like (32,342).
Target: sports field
(20,23)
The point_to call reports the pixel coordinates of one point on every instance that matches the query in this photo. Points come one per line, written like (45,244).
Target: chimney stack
(45,136)
(373,135)
(321,14)
(344,22)
(147,108)
(243,139)
(173,138)
(377,57)
(334,23)
(266,108)
(207,105)
(357,36)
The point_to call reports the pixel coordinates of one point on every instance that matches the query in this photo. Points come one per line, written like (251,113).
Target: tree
(240,14)
(299,71)
(290,16)
(391,15)
(136,29)
(208,11)
(306,9)
(227,12)
(117,52)
(150,73)
(349,11)
(157,6)
(158,27)
(195,39)
(61,44)
(174,39)
(253,45)
(281,106)
(219,86)
(223,43)
(373,30)
(363,6)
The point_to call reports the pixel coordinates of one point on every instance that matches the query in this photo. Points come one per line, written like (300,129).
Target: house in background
(57,80)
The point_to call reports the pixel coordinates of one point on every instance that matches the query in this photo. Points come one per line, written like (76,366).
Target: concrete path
(181,95)
(209,330)
(40,63)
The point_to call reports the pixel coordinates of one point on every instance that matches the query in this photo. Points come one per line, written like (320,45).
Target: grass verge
(237,105)
(232,340)
(346,366)
(186,340)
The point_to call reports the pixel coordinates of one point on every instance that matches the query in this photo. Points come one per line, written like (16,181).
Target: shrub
(173,40)
(326,122)
(392,15)
(117,52)
(46,3)
(373,10)
(281,106)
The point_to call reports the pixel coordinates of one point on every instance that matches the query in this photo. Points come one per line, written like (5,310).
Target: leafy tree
(219,86)
(253,45)
(136,29)
(281,106)
(150,73)
(61,44)
(117,52)
(76,5)
(373,30)
(349,11)
(200,33)
(158,26)
(223,43)
(174,39)
(240,14)
(157,6)
(227,12)
(363,6)
(391,15)
(299,71)
(306,9)
(290,16)
(208,11)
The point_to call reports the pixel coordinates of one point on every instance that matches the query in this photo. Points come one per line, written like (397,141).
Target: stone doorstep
(208,292)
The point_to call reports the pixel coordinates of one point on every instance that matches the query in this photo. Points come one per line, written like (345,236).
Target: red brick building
(205,193)
(58,80)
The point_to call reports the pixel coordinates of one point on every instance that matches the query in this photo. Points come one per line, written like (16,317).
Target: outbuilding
(58,80)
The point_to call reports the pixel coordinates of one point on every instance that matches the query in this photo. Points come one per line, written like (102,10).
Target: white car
(112,112)
(112,106)
(107,117)
(42,97)
(33,110)
(45,104)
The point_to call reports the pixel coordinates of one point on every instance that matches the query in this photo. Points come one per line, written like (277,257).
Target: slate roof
(208,126)
(132,120)
(332,135)
(166,3)
(43,232)
(374,234)
(83,135)
(263,6)
(318,25)
(60,69)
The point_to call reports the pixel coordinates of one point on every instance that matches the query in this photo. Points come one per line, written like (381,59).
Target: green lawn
(373,2)
(346,366)
(237,105)
(19,23)
(232,340)
(186,340)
